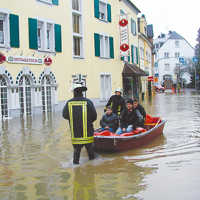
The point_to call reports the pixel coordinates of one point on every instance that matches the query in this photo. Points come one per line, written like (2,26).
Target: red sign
(124,47)
(150,78)
(2,58)
(123,22)
(47,61)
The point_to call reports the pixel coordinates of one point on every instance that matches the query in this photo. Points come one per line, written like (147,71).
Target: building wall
(64,65)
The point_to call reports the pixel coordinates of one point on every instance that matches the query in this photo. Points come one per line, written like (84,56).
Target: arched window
(25,95)
(46,93)
(3,97)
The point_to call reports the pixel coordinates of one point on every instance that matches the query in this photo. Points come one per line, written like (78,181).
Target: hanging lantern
(123,22)
(124,47)
(2,58)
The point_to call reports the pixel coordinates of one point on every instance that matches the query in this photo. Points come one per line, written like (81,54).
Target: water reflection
(33,149)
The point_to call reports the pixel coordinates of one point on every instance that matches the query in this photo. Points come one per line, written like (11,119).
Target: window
(105,84)
(177,43)
(104,46)
(77,29)
(102,10)
(122,12)
(44,35)
(166,54)
(167,67)
(3,97)
(142,52)
(9,30)
(177,54)
(133,27)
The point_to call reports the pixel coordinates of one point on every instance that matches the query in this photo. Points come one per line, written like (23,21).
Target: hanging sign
(124,36)
(150,78)
(47,61)
(25,60)
(2,58)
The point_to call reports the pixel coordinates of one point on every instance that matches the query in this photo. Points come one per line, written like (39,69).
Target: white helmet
(78,86)
(118,90)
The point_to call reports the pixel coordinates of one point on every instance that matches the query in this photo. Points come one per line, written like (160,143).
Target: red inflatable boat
(107,141)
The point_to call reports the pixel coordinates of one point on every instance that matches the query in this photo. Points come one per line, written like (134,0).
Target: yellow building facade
(146,54)
(48,45)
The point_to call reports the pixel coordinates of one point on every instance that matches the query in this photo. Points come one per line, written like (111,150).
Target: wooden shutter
(96,8)
(111,47)
(132,53)
(137,56)
(97,44)
(109,13)
(58,38)
(55,2)
(14,30)
(33,40)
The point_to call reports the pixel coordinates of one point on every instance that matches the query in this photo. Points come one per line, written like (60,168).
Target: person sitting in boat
(109,120)
(128,119)
(140,112)
(116,102)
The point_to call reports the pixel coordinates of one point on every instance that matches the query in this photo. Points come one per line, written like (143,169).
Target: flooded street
(36,159)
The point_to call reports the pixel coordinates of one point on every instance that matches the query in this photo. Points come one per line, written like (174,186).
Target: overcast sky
(176,15)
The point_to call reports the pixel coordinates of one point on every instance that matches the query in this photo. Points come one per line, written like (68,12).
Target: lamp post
(195,61)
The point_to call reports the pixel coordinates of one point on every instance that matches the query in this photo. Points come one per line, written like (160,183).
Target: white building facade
(169,50)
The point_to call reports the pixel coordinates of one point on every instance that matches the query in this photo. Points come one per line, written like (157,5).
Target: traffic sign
(195,59)
(181,60)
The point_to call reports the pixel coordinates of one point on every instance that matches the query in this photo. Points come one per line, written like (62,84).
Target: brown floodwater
(36,158)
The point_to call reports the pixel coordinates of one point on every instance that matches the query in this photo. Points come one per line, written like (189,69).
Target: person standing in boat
(109,120)
(128,119)
(116,102)
(140,112)
(81,113)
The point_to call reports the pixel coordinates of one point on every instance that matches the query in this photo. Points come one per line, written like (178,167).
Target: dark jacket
(140,111)
(109,120)
(117,103)
(127,118)
(81,113)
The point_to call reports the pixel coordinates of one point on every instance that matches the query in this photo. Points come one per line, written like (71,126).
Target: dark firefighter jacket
(109,120)
(81,113)
(117,104)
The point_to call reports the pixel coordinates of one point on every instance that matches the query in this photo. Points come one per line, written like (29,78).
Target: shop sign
(48,61)
(124,36)
(2,58)
(150,78)
(25,60)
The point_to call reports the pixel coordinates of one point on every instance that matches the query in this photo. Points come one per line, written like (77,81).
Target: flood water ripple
(36,158)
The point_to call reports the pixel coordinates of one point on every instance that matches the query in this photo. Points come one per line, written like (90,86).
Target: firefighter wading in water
(116,102)
(81,113)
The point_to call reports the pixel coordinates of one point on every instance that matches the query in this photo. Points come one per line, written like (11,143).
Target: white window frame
(79,35)
(105,87)
(104,46)
(177,54)
(133,27)
(103,3)
(45,23)
(167,67)
(166,54)
(177,43)
(6,27)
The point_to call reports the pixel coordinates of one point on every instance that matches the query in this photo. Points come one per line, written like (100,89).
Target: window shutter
(128,58)
(111,47)
(137,56)
(96,8)
(122,58)
(132,53)
(109,12)
(55,2)
(97,44)
(33,41)
(14,30)
(58,38)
